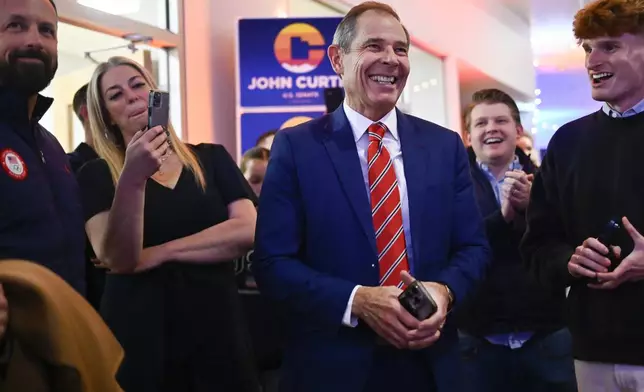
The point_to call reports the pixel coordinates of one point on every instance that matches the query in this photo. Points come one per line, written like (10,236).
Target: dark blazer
(315,241)
(509,299)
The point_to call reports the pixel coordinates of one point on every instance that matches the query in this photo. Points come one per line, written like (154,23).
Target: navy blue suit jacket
(315,241)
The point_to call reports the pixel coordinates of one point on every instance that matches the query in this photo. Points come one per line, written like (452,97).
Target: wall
(310,8)
(425,92)
(499,50)
(152,12)
(486,35)
(564,96)
(62,89)
(210,58)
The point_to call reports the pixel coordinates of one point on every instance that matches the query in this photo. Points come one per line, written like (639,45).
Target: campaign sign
(255,124)
(283,62)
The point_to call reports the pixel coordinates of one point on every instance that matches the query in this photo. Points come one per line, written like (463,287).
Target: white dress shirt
(359,125)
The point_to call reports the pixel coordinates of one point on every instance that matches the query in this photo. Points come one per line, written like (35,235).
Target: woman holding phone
(167,218)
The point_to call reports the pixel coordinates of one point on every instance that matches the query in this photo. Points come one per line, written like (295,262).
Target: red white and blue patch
(13,164)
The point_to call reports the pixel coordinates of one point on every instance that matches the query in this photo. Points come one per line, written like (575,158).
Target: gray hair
(345,33)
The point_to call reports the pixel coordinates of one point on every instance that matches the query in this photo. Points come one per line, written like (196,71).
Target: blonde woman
(166,218)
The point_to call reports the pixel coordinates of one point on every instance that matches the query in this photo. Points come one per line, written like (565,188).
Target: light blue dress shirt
(639,108)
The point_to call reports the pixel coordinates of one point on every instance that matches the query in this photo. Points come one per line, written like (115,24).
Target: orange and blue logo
(299,48)
(295,121)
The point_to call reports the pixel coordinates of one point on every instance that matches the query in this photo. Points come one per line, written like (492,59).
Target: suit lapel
(341,147)
(415,160)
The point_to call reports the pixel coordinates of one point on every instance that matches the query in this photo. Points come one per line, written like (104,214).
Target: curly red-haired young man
(591,176)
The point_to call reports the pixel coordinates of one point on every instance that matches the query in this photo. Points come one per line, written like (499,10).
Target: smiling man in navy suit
(351,202)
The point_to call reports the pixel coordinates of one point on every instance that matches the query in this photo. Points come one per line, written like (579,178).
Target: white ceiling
(520,7)
(72,39)
(74,42)
(551,24)
(553,42)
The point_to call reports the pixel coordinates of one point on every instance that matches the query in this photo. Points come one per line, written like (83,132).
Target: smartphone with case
(418,301)
(158,109)
(608,238)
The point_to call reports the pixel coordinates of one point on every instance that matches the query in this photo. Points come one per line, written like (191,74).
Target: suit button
(373,266)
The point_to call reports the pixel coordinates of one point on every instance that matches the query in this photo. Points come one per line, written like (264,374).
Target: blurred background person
(253,166)
(262,318)
(84,152)
(526,143)
(266,139)
(171,297)
(512,334)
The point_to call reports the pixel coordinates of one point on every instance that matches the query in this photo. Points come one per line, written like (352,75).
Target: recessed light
(136,37)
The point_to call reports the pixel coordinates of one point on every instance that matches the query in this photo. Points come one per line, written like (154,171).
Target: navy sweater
(591,173)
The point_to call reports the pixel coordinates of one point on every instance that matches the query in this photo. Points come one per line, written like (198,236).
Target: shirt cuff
(349,320)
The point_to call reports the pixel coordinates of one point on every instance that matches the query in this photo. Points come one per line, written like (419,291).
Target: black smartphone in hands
(158,109)
(418,301)
(608,238)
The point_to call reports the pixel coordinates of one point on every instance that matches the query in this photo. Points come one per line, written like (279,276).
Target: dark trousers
(94,283)
(541,365)
(399,370)
(185,333)
(205,353)
(270,380)
(265,327)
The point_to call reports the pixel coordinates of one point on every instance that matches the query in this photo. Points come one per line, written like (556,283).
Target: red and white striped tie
(386,210)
